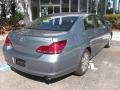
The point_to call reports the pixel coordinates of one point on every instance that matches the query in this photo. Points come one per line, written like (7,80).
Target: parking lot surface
(104,75)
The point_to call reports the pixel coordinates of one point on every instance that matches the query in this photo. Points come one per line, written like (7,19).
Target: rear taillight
(8,41)
(54,48)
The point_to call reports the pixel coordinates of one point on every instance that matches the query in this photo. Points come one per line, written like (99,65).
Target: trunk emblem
(22,39)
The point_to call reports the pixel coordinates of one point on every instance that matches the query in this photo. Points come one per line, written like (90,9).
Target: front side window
(53,23)
(98,22)
(89,22)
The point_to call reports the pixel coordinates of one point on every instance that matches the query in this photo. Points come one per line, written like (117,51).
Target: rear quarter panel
(74,48)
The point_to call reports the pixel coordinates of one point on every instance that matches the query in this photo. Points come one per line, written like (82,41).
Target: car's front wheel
(84,63)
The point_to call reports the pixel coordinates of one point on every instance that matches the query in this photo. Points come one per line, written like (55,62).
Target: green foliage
(114,19)
(16,18)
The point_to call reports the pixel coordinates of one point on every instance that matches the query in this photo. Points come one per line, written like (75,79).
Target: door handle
(89,37)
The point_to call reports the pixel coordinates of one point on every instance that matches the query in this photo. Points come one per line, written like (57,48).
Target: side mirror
(107,23)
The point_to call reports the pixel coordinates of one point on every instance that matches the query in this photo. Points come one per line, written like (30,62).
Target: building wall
(37,8)
(44,7)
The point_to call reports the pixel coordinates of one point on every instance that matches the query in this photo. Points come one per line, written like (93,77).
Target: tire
(109,43)
(84,63)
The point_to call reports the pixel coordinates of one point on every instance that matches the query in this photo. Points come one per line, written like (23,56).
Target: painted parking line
(92,65)
(4,68)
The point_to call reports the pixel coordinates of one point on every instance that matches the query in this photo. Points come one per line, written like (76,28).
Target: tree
(5,8)
(9,7)
(23,6)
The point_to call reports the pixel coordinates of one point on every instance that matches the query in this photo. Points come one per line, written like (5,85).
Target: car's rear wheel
(109,42)
(84,63)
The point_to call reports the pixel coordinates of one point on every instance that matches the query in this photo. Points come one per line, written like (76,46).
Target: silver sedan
(55,45)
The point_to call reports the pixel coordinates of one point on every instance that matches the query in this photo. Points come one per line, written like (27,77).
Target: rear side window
(89,22)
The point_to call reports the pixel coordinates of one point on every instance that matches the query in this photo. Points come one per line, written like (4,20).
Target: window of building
(74,5)
(55,1)
(101,7)
(50,10)
(83,5)
(45,1)
(56,9)
(65,5)
(35,9)
(92,6)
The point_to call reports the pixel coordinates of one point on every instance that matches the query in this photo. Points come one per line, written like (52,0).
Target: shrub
(7,24)
(114,19)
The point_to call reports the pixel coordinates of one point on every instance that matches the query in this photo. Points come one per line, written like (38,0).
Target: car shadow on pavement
(40,79)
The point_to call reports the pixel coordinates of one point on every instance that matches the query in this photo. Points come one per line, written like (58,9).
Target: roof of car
(70,14)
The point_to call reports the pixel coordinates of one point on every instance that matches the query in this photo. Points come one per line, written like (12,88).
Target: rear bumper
(51,66)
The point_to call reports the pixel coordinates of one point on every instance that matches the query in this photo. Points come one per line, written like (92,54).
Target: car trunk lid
(27,41)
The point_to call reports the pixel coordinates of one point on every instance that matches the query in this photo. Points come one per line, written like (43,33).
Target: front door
(100,32)
(94,33)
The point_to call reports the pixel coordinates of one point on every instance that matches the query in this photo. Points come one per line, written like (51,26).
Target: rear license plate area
(20,62)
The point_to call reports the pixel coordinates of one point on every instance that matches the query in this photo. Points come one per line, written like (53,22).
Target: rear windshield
(53,23)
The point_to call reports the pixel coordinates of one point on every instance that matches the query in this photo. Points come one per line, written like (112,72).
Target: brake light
(8,41)
(54,48)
